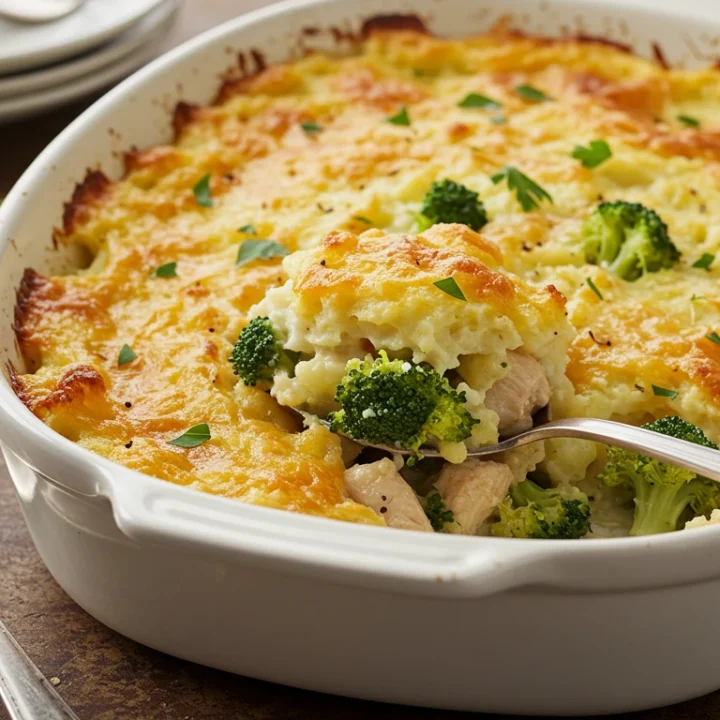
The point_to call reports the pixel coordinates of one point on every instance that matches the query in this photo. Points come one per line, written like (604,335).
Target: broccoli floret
(437,512)
(393,402)
(529,511)
(258,354)
(662,493)
(451,202)
(628,239)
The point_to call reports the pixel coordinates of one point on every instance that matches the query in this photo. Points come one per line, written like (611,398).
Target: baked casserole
(481,226)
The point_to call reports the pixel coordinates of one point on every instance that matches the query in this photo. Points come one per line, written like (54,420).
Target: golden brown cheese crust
(350,270)
(297,186)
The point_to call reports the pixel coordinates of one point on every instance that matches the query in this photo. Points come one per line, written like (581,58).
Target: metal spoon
(38,11)
(24,690)
(689,456)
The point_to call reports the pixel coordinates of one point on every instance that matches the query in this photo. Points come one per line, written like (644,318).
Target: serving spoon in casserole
(702,460)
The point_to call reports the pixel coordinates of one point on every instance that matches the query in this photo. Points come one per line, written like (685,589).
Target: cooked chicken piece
(472,490)
(522,460)
(520,393)
(379,486)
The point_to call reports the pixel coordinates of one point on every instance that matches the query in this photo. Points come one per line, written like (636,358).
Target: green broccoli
(451,202)
(529,511)
(628,239)
(662,493)
(394,402)
(258,354)
(437,512)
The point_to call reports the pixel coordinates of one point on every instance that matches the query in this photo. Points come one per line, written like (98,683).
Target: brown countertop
(102,675)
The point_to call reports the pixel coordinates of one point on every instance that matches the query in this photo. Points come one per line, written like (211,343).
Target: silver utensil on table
(37,11)
(25,691)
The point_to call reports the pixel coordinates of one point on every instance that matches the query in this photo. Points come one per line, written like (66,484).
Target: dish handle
(185,520)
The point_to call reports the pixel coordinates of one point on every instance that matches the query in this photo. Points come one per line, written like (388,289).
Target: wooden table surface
(102,675)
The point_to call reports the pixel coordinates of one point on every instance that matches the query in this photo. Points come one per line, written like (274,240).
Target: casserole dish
(329,606)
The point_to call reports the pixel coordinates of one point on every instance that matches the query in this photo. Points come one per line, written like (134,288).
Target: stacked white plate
(46,65)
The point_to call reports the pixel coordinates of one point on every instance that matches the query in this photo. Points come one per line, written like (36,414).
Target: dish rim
(142,504)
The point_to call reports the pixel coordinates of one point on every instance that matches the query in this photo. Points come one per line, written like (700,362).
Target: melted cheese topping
(296,186)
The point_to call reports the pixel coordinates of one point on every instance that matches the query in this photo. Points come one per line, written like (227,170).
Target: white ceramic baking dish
(536,627)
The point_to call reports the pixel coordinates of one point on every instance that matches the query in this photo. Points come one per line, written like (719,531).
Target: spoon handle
(25,691)
(681,453)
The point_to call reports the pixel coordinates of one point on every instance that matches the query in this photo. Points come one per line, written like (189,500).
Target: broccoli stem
(629,262)
(658,507)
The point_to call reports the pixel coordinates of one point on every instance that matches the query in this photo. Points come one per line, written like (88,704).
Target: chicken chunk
(520,393)
(379,486)
(472,490)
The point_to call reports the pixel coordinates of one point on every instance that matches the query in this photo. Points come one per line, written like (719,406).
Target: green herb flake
(696,297)
(311,128)
(362,219)
(497,119)
(475,100)
(689,120)
(250,250)
(527,92)
(714,337)
(450,286)
(248,229)
(196,435)
(402,118)
(126,355)
(664,392)
(704,262)
(594,288)
(596,153)
(528,193)
(168,270)
(419,72)
(201,190)
(437,512)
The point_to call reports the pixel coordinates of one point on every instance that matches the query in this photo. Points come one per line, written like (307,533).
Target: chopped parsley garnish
(362,219)
(201,190)
(126,355)
(311,128)
(475,100)
(437,512)
(696,297)
(402,118)
(528,92)
(497,119)
(167,270)
(248,229)
(450,286)
(664,392)
(594,288)
(250,250)
(523,186)
(689,120)
(704,261)
(597,152)
(196,435)
(714,337)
